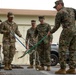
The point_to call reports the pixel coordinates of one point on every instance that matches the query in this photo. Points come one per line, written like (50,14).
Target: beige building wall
(24,24)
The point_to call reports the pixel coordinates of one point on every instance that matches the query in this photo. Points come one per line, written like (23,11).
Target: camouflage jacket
(7,28)
(30,37)
(41,31)
(66,18)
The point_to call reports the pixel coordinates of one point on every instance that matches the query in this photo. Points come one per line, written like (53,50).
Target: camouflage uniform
(0,24)
(9,40)
(32,42)
(67,41)
(44,47)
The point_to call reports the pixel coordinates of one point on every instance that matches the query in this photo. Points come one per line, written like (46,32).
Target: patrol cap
(41,17)
(10,14)
(33,20)
(58,2)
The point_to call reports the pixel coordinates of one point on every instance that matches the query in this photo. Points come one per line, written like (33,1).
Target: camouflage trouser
(8,51)
(67,42)
(44,54)
(34,56)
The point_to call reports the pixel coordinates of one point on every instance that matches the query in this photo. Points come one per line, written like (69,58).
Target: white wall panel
(20,49)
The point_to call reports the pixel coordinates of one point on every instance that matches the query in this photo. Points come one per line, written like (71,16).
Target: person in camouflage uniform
(0,24)
(67,41)
(30,42)
(0,45)
(8,29)
(44,47)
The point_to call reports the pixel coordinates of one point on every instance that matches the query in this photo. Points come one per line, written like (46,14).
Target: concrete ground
(25,71)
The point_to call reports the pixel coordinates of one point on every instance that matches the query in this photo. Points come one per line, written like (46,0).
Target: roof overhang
(28,12)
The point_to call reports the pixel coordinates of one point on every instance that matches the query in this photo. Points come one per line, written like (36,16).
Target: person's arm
(57,23)
(3,30)
(35,33)
(51,38)
(27,39)
(17,31)
(48,30)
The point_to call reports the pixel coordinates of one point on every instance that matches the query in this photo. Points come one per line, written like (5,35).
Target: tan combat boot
(71,71)
(9,66)
(48,68)
(30,66)
(37,66)
(61,71)
(41,68)
(6,67)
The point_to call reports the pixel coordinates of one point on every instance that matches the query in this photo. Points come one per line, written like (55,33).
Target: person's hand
(50,43)
(48,34)
(6,32)
(20,35)
(27,47)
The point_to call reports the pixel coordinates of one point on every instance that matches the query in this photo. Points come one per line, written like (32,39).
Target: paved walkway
(25,71)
